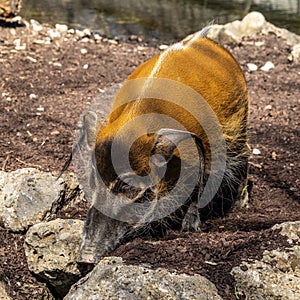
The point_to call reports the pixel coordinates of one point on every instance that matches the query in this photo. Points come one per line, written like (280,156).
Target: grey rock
(277,274)
(251,25)
(290,37)
(295,55)
(51,249)
(290,230)
(113,280)
(29,196)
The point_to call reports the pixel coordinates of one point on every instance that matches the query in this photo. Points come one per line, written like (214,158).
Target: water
(163,20)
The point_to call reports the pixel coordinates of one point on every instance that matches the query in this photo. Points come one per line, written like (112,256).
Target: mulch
(46,87)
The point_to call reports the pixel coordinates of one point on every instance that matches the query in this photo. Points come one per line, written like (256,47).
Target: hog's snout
(101,235)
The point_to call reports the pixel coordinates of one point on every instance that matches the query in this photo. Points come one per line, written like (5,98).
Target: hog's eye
(127,189)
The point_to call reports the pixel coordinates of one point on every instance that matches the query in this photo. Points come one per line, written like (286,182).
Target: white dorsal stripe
(178,47)
(175,47)
(200,34)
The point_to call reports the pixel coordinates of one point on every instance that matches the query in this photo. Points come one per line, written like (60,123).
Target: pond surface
(163,20)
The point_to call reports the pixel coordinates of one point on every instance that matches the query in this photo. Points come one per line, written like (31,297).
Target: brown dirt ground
(43,139)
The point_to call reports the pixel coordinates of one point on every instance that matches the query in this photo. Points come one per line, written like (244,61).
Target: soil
(45,88)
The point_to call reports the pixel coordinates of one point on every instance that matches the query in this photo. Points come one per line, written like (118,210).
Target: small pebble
(259,44)
(85,40)
(87,32)
(31,59)
(97,37)
(83,51)
(163,47)
(54,132)
(256,151)
(57,64)
(252,67)
(113,42)
(267,66)
(79,33)
(268,107)
(61,27)
(36,26)
(85,67)
(32,96)
(54,34)
(133,37)
(141,48)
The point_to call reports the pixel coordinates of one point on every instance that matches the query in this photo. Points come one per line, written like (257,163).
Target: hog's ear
(167,140)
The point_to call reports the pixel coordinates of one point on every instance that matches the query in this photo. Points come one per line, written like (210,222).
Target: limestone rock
(113,280)
(277,275)
(295,55)
(29,196)
(290,37)
(52,249)
(290,230)
(252,24)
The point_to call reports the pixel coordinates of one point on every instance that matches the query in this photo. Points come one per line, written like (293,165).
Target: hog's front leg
(191,220)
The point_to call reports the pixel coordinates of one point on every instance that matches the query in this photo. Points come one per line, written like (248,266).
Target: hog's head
(136,180)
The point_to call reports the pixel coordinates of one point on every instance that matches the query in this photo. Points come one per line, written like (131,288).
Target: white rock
(290,230)
(83,51)
(79,33)
(259,43)
(61,27)
(18,45)
(51,249)
(252,23)
(57,64)
(163,47)
(53,34)
(277,274)
(256,151)
(17,42)
(36,26)
(113,42)
(113,280)
(296,52)
(268,107)
(54,132)
(85,40)
(141,48)
(85,67)
(87,32)
(267,66)
(32,96)
(97,37)
(252,67)
(31,59)
(29,196)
